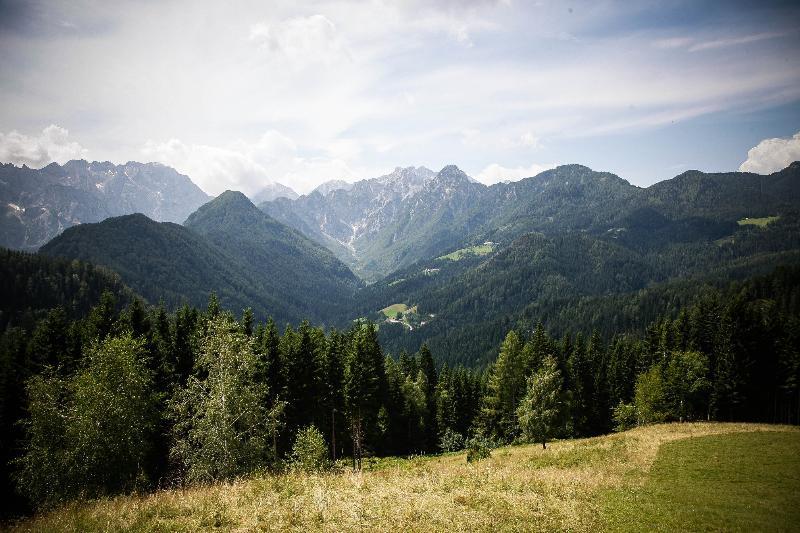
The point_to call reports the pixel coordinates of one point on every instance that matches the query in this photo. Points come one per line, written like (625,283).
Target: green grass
(458,255)
(760,222)
(742,482)
(392,310)
(669,477)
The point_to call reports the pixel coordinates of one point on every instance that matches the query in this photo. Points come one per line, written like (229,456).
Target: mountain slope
(449,211)
(36,205)
(229,247)
(160,260)
(273,191)
(295,270)
(32,284)
(347,217)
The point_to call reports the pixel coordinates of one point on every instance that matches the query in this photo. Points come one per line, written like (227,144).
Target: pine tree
(428,368)
(505,389)
(538,412)
(364,373)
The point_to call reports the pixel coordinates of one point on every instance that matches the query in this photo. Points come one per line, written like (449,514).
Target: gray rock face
(273,191)
(332,185)
(38,204)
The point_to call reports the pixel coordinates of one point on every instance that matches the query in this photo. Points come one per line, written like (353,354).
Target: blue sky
(240,94)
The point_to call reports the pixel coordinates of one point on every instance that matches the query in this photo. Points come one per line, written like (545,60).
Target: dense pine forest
(131,397)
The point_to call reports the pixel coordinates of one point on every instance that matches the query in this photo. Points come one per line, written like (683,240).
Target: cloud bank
(772,155)
(53,144)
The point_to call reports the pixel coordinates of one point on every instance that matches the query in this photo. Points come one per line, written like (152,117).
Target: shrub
(310,453)
(478,447)
(624,416)
(451,441)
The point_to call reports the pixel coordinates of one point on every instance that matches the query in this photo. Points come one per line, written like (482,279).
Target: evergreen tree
(364,374)
(505,389)
(539,409)
(428,368)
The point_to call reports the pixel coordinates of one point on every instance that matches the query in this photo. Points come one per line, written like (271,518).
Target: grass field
(669,477)
(760,222)
(392,310)
(458,255)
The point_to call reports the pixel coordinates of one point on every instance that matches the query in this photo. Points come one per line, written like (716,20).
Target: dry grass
(520,488)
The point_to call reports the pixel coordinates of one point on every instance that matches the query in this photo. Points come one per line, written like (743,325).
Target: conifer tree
(539,409)
(362,386)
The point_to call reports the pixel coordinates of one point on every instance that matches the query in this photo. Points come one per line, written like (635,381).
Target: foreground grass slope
(678,476)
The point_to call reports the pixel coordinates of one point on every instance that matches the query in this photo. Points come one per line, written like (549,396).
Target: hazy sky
(236,94)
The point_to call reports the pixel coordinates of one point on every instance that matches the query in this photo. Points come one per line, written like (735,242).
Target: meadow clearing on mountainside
(657,477)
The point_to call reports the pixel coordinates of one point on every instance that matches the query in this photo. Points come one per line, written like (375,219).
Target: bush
(89,434)
(451,441)
(478,447)
(649,397)
(310,453)
(624,416)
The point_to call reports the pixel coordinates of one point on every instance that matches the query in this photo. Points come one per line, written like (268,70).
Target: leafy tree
(89,434)
(649,398)
(687,385)
(539,409)
(309,452)
(222,425)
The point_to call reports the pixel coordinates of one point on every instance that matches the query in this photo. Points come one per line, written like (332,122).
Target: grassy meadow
(760,222)
(704,476)
(478,249)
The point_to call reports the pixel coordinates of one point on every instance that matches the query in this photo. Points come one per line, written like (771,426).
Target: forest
(130,397)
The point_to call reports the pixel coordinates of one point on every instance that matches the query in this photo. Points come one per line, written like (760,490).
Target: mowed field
(705,476)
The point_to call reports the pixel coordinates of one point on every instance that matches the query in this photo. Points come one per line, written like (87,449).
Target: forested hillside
(31,285)
(451,211)
(67,388)
(228,246)
(567,281)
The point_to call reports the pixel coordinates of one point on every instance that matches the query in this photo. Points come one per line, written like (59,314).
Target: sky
(240,94)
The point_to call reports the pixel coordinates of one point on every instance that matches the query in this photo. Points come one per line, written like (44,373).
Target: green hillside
(672,477)
(291,270)
(33,284)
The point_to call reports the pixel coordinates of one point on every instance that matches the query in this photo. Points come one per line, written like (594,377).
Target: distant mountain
(301,274)
(273,191)
(332,185)
(227,246)
(36,205)
(378,233)
(345,220)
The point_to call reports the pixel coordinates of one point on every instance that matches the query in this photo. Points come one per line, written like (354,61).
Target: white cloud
(733,41)
(529,140)
(496,173)
(248,167)
(673,42)
(38,151)
(772,155)
(302,40)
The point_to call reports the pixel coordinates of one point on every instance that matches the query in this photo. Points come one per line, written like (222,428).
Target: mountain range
(228,247)
(379,226)
(38,204)
(451,262)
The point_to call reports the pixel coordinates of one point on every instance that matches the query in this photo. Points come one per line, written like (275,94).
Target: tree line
(135,398)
